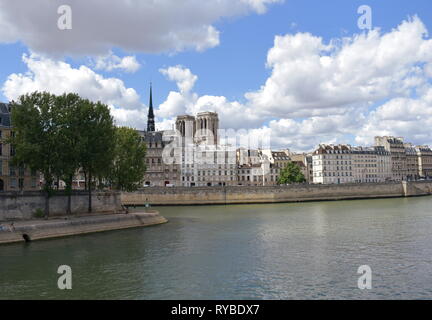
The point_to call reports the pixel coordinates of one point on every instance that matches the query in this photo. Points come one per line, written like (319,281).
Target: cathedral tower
(150,116)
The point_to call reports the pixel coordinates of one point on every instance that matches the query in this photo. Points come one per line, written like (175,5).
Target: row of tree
(60,135)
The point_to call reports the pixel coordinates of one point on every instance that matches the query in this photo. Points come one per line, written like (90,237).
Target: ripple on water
(280,251)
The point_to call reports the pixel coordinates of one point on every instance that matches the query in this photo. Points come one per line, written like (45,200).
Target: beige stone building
(250,175)
(158,173)
(204,161)
(396,147)
(412,162)
(258,166)
(333,164)
(278,159)
(371,164)
(13,178)
(248,156)
(202,129)
(208,165)
(424,154)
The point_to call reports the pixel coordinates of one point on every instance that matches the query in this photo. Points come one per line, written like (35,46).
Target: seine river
(277,251)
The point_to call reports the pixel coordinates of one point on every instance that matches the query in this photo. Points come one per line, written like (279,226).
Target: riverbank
(25,205)
(274,194)
(30,230)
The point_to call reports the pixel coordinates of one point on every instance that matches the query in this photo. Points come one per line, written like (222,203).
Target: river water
(274,251)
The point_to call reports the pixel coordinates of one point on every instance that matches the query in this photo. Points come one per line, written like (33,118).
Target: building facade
(412,162)
(371,164)
(333,165)
(346,164)
(208,165)
(13,178)
(424,154)
(396,147)
(158,173)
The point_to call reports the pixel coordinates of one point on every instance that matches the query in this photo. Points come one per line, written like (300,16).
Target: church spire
(150,116)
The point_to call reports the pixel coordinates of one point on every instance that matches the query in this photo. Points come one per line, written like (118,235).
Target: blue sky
(236,65)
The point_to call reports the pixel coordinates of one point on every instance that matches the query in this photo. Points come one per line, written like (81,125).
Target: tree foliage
(97,142)
(291,174)
(36,136)
(57,135)
(128,167)
(68,108)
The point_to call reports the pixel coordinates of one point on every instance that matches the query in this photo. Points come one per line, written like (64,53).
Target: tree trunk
(85,180)
(69,192)
(90,193)
(47,206)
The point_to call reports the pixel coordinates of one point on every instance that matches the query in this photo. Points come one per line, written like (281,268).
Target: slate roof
(5,120)
(154,136)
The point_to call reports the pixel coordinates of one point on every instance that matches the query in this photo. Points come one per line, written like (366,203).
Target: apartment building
(424,154)
(208,165)
(159,173)
(412,162)
(13,178)
(371,164)
(396,147)
(333,164)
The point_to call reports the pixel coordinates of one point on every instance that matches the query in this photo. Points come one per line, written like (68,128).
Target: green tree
(69,123)
(96,143)
(128,167)
(291,174)
(36,137)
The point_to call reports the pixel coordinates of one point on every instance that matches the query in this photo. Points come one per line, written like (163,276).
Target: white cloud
(175,104)
(312,78)
(112,62)
(401,117)
(317,92)
(182,76)
(59,77)
(322,92)
(134,118)
(232,114)
(133,25)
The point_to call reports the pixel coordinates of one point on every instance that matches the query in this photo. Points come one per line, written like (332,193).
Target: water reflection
(277,251)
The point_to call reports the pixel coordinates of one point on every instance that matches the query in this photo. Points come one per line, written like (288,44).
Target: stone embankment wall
(273,194)
(31,230)
(23,206)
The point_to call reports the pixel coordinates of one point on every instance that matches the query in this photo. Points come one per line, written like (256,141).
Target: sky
(300,71)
